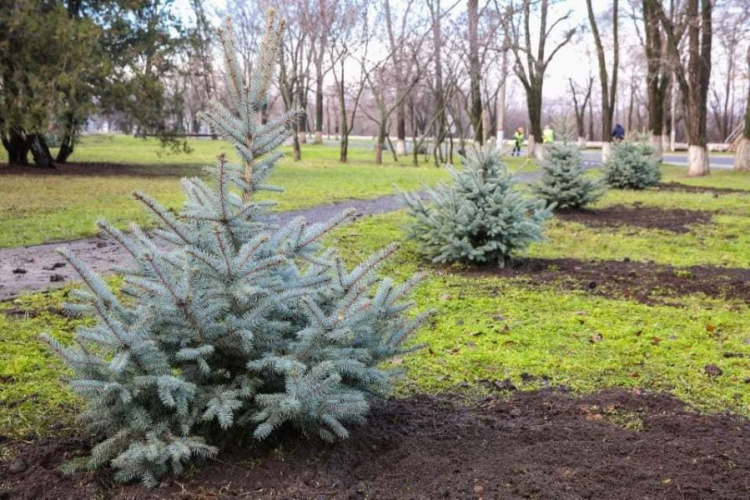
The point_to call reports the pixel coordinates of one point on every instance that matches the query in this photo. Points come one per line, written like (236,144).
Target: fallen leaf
(656,340)
(710,328)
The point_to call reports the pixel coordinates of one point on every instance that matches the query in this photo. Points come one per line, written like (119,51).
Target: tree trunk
(401,129)
(534,102)
(318,108)
(17,148)
(657,146)
(742,157)
(40,150)
(697,160)
(475,72)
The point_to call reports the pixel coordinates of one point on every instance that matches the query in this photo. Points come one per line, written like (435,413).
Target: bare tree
(658,74)
(693,77)
(531,73)
(608,85)
(581,97)
(349,36)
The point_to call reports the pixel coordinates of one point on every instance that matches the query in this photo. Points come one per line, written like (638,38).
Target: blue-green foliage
(478,218)
(564,181)
(234,326)
(631,166)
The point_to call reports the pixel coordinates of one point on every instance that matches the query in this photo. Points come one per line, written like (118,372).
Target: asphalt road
(592,158)
(717,161)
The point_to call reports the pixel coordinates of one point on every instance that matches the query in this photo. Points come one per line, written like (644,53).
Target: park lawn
(490,328)
(42,208)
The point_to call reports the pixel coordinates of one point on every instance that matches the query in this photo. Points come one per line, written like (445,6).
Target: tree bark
(318,107)
(475,72)
(742,157)
(608,88)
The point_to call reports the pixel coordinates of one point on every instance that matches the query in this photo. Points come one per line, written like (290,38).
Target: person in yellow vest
(548,135)
(517,142)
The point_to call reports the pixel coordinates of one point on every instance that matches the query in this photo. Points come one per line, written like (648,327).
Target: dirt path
(39,267)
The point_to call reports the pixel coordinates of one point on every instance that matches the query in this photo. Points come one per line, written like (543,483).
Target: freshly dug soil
(677,186)
(542,445)
(645,282)
(637,215)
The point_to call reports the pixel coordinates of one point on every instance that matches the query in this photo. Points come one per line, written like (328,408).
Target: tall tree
(349,36)
(608,85)
(581,97)
(63,60)
(531,63)
(658,74)
(693,77)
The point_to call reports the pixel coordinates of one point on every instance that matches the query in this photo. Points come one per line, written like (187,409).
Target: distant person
(548,135)
(618,134)
(517,142)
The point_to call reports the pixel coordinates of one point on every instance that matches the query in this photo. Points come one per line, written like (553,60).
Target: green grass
(42,208)
(491,329)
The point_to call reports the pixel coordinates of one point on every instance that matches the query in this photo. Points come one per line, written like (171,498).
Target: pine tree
(239,327)
(631,166)
(564,181)
(480,218)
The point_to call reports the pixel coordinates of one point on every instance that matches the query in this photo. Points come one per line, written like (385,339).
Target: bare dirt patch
(686,188)
(637,215)
(644,282)
(543,445)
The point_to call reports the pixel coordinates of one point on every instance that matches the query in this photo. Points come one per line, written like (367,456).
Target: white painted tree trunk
(664,143)
(581,142)
(318,137)
(698,161)
(606,151)
(302,137)
(400,147)
(657,145)
(742,158)
(500,140)
(531,146)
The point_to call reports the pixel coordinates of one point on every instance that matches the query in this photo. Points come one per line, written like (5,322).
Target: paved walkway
(39,267)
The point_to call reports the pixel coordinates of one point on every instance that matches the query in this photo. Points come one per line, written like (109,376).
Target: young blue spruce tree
(564,181)
(236,327)
(480,218)
(631,166)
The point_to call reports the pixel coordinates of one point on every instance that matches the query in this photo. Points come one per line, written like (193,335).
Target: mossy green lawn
(41,208)
(490,328)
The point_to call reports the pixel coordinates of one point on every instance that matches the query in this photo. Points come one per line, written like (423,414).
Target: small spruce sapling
(631,166)
(480,218)
(237,327)
(564,181)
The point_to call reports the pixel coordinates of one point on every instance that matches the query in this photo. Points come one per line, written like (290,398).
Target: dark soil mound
(542,445)
(641,281)
(677,186)
(637,215)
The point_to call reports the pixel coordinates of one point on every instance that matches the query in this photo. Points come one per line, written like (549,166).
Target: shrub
(480,217)
(235,328)
(631,166)
(564,180)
